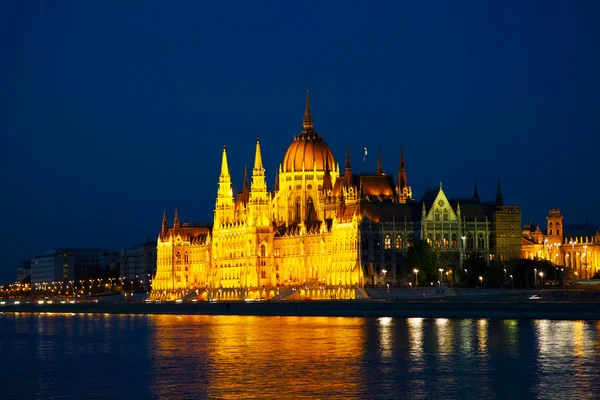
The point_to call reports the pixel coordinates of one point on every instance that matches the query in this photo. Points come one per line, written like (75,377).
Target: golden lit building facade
(322,232)
(578,252)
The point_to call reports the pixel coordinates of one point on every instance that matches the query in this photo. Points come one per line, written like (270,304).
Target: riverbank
(532,309)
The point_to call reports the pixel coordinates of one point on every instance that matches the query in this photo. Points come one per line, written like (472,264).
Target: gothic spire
(379,168)
(327,178)
(176,219)
(308,121)
(499,199)
(258,166)
(276,187)
(165,225)
(348,171)
(224,165)
(475,194)
(246,184)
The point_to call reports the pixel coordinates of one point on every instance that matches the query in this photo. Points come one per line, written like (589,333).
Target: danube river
(101,356)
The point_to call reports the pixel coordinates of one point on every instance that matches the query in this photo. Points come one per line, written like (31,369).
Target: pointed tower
(476,194)
(307,122)
(404,191)
(176,223)
(224,205)
(499,199)
(246,189)
(165,226)
(276,186)
(259,197)
(327,185)
(379,167)
(348,170)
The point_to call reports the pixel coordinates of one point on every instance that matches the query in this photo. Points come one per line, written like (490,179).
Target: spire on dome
(308,121)
(379,168)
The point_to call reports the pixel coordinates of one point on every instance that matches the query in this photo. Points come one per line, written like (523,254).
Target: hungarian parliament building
(324,230)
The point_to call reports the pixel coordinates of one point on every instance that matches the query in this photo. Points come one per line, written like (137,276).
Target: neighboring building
(559,244)
(323,227)
(139,263)
(24,270)
(66,265)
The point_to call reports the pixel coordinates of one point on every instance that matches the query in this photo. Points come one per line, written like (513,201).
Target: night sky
(111,112)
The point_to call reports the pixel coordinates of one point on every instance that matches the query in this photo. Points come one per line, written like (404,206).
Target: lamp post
(388,289)
(416,271)
(512,283)
(441,276)
(467,277)
(504,276)
(541,280)
(481,281)
(534,277)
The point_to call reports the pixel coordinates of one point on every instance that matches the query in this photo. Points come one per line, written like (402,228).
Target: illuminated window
(263,250)
(446,241)
(263,274)
(398,241)
(185,257)
(437,241)
(454,240)
(387,241)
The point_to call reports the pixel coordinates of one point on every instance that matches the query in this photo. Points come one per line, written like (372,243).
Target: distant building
(67,265)
(139,263)
(24,270)
(575,247)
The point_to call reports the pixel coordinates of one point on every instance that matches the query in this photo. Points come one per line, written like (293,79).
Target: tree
(425,258)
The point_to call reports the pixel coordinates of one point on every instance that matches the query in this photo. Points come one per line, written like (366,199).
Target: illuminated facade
(323,232)
(580,254)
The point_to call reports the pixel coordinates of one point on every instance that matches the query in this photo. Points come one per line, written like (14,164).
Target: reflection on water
(170,357)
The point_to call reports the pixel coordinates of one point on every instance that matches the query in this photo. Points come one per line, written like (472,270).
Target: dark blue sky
(112,111)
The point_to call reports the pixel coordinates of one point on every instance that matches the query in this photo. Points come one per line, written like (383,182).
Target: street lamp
(466,276)
(535,277)
(416,271)
(505,275)
(481,281)
(441,276)
(388,289)
(542,280)
(512,283)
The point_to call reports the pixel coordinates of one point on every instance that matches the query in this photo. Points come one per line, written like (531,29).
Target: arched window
(298,210)
(178,257)
(470,241)
(398,241)
(311,212)
(437,241)
(185,257)
(480,241)
(437,215)
(445,214)
(411,241)
(446,241)
(387,241)
(454,240)
(430,240)
(263,250)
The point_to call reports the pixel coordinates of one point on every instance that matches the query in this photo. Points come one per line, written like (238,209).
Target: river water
(96,356)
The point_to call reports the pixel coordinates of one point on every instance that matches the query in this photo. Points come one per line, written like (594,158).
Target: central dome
(308,148)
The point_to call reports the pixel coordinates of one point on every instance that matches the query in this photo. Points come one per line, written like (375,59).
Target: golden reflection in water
(291,357)
(482,336)
(579,339)
(444,336)
(385,336)
(415,337)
